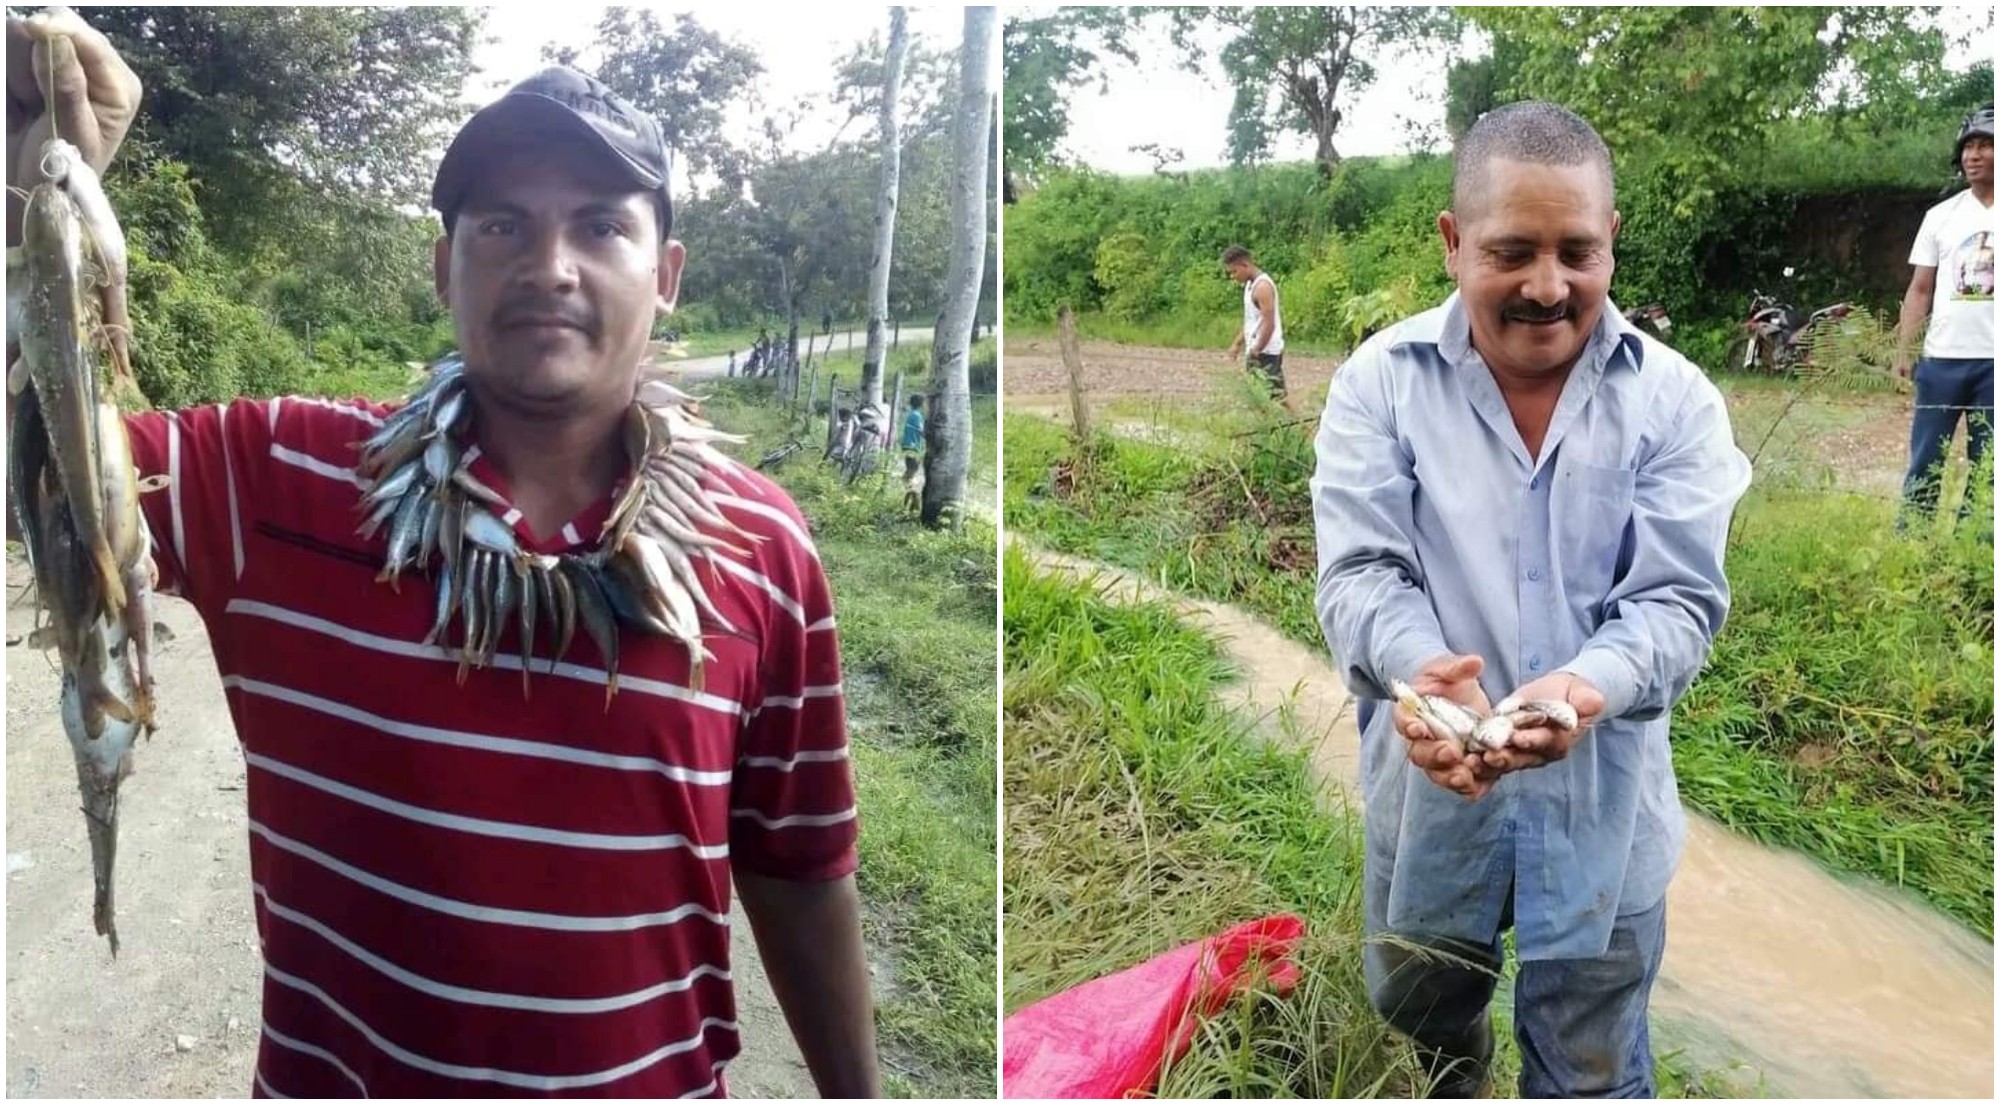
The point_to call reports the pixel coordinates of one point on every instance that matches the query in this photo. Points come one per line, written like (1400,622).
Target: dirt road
(1826,986)
(697,368)
(176,1015)
(1033,373)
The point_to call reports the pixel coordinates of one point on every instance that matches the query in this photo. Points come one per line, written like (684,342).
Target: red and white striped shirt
(469,890)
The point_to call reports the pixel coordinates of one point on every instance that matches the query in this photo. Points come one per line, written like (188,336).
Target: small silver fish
(593,609)
(1498,730)
(530,598)
(488,532)
(505,594)
(447,603)
(1446,720)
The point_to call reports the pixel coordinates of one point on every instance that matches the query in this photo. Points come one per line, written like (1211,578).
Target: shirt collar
(1613,334)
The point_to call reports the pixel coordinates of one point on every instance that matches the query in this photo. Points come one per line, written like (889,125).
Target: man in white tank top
(1262,339)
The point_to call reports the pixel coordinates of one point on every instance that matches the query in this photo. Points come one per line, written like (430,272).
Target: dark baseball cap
(1977,124)
(560,98)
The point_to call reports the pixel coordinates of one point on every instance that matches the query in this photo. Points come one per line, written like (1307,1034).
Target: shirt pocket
(1593,512)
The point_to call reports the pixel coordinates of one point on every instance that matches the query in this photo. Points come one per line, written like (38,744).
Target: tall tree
(885,211)
(923,104)
(1300,68)
(811,218)
(684,77)
(276,110)
(1044,59)
(949,455)
(1692,91)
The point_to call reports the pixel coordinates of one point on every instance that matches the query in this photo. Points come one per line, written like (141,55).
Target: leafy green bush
(1139,252)
(208,327)
(1125,271)
(1312,302)
(192,344)
(983,373)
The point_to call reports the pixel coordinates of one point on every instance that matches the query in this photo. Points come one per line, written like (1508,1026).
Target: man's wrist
(1611,674)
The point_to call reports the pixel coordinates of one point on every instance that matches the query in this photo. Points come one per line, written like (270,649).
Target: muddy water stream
(1826,986)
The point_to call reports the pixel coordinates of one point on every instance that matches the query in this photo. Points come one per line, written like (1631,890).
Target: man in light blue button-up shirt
(1518,493)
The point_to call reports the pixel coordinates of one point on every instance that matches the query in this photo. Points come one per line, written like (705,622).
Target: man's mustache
(1535,312)
(531,312)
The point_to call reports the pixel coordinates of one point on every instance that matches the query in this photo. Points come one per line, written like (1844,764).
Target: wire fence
(1811,433)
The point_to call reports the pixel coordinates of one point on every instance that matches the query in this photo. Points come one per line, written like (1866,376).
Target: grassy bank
(1846,711)
(916,612)
(1143,814)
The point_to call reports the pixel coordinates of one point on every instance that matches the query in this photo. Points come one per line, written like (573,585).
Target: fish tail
(109,577)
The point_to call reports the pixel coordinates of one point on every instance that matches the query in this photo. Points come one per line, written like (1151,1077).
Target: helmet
(1978,123)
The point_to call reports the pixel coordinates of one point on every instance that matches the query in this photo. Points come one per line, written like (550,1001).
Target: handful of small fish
(74,488)
(642,574)
(1456,724)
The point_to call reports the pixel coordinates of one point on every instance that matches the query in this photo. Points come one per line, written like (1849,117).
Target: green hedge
(1362,245)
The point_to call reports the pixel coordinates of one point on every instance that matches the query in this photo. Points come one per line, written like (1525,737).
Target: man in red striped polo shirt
(486,888)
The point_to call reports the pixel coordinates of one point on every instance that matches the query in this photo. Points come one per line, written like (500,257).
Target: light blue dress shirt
(1602,557)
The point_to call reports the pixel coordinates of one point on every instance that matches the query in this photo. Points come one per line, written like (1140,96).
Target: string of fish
(642,575)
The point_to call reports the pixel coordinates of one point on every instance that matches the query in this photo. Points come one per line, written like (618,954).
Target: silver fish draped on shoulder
(642,575)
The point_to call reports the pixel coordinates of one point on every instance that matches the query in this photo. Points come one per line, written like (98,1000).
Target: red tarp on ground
(1110,1037)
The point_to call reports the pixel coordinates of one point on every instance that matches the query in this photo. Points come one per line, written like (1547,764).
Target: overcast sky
(799,49)
(1159,102)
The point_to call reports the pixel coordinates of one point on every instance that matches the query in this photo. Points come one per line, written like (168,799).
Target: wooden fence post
(832,406)
(1079,413)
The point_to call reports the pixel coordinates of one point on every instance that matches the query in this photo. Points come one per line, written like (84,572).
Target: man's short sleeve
(792,807)
(1924,252)
(211,458)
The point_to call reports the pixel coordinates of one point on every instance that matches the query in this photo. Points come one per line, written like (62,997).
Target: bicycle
(780,454)
(862,459)
(864,456)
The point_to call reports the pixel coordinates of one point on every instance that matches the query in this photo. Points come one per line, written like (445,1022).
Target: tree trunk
(949,455)
(792,351)
(885,211)
(783,368)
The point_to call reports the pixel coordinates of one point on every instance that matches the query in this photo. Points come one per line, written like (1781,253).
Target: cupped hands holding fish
(1443,706)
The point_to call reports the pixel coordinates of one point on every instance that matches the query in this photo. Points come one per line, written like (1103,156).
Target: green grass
(381,382)
(916,613)
(1846,711)
(1143,814)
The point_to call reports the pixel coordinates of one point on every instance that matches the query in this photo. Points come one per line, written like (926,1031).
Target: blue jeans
(1580,1023)
(1946,388)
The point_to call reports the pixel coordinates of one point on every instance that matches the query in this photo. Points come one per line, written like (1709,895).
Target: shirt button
(1534,663)
(1535,484)
(1534,575)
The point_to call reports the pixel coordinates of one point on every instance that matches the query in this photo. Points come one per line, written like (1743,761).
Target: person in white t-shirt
(1262,339)
(1952,287)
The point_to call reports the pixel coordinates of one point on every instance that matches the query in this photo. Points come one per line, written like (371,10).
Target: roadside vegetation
(916,612)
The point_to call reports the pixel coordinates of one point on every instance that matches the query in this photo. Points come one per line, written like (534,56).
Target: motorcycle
(1651,319)
(1778,334)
